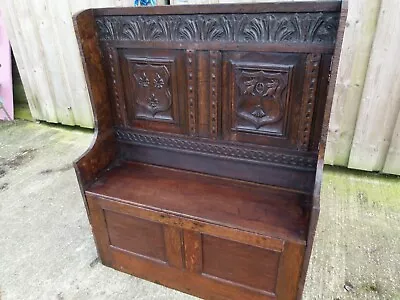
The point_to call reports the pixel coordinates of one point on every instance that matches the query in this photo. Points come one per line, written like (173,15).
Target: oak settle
(205,169)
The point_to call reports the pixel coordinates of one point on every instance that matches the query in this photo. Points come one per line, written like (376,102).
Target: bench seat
(246,206)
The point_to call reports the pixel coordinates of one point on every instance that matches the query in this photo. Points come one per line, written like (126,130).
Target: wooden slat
(76,77)
(14,34)
(392,163)
(34,48)
(380,102)
(67,71)
(357,44)
(49,43)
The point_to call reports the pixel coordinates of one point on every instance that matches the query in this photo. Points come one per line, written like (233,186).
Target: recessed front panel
(136,235)
(241,264)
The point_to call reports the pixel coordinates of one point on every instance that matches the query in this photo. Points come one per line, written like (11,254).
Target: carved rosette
(261,100)
(316,28)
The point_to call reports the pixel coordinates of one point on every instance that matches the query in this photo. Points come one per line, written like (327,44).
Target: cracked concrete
(47,251)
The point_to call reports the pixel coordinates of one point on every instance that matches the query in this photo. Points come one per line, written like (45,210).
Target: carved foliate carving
(261,100)
(152,93)
(316,28)
(226,150)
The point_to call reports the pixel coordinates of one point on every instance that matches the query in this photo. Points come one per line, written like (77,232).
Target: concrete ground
(47,250)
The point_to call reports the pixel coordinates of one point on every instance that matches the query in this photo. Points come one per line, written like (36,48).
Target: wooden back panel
(231,90)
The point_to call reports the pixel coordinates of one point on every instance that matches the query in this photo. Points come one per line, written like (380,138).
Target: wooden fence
(365,123)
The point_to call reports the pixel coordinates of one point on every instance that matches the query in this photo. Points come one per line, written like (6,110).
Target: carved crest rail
(318,28)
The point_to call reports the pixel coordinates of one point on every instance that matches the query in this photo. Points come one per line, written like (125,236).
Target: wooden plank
(80,102)
(289,271)
(61,26)
(6,84)
(285,6)
(380,104)
(49,41)
(34,48)
(21,56)
(193,251)
(43,59)
(392,163)
(356,49)
(102,240)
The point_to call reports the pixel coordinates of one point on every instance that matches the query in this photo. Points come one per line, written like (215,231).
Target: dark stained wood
(166,218)
(205,171)
(203,90)
(289,270)
(187,282)
(98,222)
(102,150)
(136,235)
(251,207)
(309,6)
(217,46)
(173,237)
(193,251)
(240,263)
(291,169)
(281,74)
(323,82)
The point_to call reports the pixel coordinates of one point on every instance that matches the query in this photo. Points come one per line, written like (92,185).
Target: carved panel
(151,89)
(261,100)
(315,28)
(253,267)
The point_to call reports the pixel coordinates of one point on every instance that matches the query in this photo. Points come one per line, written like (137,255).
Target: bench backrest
(237,91)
